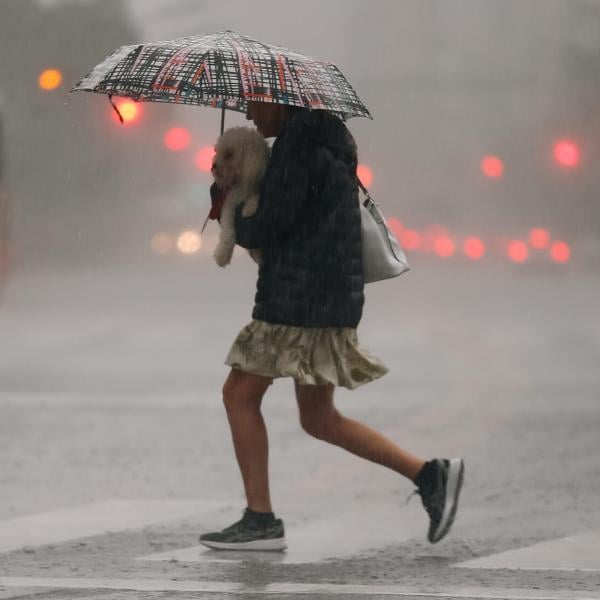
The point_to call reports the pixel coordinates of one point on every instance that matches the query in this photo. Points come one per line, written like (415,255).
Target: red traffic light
(517,251)
(474,248)
(204,158)
(560,251)
(539,238)
(566,153)
(365,174)
(177,139)
(443,246)
(492,167)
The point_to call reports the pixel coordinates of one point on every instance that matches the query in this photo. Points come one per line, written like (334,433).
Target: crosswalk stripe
(93,519)
(574,553)
(226,587)
(335,537)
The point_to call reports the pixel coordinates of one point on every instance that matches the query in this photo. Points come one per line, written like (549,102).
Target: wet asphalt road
(110,389)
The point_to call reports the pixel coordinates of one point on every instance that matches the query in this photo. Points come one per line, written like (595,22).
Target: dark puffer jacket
(308,226)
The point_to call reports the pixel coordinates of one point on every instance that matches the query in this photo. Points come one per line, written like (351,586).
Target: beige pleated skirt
(310,355)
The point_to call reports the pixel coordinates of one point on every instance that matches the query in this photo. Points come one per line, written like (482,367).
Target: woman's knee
(243,390)
(322,424)
(318,415)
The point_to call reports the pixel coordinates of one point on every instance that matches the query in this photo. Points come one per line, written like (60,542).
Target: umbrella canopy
(223,70)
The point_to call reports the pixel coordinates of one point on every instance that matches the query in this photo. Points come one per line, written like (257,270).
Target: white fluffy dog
(239,164)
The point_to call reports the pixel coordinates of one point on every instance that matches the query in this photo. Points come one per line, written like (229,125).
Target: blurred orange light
(130,111)
(443,246)
(204,158)
(539,238)
(50,79)
(517,251)
(566,153)
(365,175)
(474,248)
(177,139)
(189,242)
(492,167)
(410,239)
(560,251)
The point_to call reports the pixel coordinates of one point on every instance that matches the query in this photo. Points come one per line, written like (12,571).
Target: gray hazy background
(111,356)
(88,306)
(446,82)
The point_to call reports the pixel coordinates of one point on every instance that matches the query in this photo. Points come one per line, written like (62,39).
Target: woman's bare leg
(321,419)
(242,396)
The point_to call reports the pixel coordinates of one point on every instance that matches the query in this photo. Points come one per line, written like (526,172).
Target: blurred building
(458,81)
(470,100)
(449,84)
(4,203)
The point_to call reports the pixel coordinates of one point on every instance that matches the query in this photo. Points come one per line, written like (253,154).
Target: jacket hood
(321,128)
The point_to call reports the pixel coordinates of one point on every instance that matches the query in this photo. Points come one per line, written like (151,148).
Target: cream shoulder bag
(383,258)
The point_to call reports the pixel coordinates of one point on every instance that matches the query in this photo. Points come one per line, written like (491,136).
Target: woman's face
(268,118)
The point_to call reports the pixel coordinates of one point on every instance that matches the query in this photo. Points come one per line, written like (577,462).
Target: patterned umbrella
(223,70)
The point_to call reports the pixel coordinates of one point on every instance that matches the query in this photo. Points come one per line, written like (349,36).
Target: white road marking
(227,587)
(12,593)
(577,552)
(335,537)
(93,519)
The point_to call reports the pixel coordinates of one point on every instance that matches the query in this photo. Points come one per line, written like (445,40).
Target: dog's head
(241,157)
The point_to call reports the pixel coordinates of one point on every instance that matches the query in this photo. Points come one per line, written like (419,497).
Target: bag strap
(362,187)
(368,197)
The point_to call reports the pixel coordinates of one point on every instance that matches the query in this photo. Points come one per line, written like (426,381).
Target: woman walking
(308,304)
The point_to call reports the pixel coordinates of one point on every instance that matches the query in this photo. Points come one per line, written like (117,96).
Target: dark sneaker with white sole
(439,483)
(249,533)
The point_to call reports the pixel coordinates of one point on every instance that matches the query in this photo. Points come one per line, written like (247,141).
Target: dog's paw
(222,256)
(250,207)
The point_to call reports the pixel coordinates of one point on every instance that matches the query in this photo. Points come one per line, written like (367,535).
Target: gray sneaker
(439,483)
(247,534)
